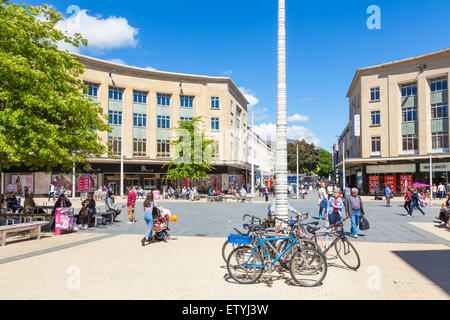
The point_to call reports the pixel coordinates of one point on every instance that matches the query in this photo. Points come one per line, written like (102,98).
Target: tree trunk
(281,165)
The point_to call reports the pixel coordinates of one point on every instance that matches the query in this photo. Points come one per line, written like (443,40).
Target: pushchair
(161,225)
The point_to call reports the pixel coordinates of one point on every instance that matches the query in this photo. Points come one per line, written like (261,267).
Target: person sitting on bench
(30,206)
(111,206)
(444,213)
(62,202)
(13,204)
(89,206)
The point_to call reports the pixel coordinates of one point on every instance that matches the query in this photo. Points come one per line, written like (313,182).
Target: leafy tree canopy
(193,154)
(324,167)
(308,157)
(45,120)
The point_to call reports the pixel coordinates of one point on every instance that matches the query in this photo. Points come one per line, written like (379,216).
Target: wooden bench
(100,214)
(33,227)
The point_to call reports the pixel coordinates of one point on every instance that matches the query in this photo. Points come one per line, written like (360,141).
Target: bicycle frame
(261,243)
(341,236)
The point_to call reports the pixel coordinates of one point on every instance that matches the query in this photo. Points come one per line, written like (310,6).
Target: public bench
(34,228)
(102,213)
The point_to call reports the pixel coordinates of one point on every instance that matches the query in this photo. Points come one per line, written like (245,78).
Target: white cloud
(102,34)
(298,118)
(268,131)
(258,114)
(117,60)
(250,96)
(228,72)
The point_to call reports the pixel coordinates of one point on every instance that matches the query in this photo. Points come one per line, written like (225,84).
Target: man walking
(131,202)
(388,192)
(354,208)
(442,191)
(377,189)
(51,192)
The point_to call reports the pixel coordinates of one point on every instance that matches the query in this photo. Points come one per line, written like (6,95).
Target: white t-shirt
(52,188)
(441,187)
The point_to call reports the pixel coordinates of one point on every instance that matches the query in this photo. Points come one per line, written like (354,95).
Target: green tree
(45,120)
(308,157)
(193,154)
(324,167)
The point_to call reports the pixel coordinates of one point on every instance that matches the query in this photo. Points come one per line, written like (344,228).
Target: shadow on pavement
(433,264)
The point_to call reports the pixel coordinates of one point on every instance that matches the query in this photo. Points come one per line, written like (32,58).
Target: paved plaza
(402,258)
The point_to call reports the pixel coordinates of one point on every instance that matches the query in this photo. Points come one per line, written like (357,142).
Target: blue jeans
(148,217)
(52,194)
(442,194)
(434,195)
(415,204)
(320,212)
(355,222)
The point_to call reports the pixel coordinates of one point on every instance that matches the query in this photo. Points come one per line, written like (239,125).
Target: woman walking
(150,207)
(334,209)
(408,199)
(415,203)
(323,200)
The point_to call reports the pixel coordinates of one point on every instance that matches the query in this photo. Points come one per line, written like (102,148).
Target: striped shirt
(131,200)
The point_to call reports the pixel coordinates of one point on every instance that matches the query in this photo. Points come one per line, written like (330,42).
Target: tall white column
(297,173)
(281,166)
(121,156)
(253,158)
(73,181)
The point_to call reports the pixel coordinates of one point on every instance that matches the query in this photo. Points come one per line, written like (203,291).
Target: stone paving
(218,220)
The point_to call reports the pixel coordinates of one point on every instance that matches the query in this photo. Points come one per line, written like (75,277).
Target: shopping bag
(363,223)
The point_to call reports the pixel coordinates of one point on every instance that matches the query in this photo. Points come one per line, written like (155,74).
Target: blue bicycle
(246,264)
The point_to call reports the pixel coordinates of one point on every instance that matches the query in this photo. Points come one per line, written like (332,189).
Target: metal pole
(121,160)
(297,172)
(343,165)
(73,182)
(253,158)
(431,177)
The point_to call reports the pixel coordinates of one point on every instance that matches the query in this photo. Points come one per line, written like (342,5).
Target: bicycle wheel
(236,265)
(308,267)
(284,260)
(226,249)
(348,254)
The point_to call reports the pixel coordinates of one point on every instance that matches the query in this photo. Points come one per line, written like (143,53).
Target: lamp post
(253,158)
(281,165)
(297,173)
(431,178)
(343,165)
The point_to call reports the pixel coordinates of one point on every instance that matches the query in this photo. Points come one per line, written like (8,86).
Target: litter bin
(63,220)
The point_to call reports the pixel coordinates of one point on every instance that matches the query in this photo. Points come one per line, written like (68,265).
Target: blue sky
(326,42)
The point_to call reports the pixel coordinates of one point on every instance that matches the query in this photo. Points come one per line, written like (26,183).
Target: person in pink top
(131,202)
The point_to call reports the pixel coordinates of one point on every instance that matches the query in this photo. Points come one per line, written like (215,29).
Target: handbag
(363,223)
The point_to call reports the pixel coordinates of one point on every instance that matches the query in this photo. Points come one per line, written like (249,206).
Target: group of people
(333,206)
(183,193)
(439,191)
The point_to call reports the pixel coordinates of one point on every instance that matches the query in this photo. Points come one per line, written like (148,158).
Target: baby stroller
(161,225)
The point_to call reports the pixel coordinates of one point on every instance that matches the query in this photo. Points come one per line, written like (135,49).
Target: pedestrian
(51,192)
(131,202)
(377,190)
(354,208)
(266,193)
(242,194)
(434,190)
(388,192)
(330,190)
(322,201)
(408,200)
(442,191)
(415,203)
(150,213)
(334,208)
(444,213)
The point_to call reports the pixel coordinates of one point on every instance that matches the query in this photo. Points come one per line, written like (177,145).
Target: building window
(139,120)
(375,94)
(409,114)
(409,89)
(215,124)
(439,110)
(375,118)
(115,117)
(163,149)
(163,99)
(187,101)
(215,103)
(186,119)
(410,142)
(163,122)
(231,106)
(139,97)
(115,93)
(238,117)
(376,145)
(139,147)
(92,89)
(439,139)
(439,84)
(116,145)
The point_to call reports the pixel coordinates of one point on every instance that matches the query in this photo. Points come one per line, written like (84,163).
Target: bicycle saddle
(312,229)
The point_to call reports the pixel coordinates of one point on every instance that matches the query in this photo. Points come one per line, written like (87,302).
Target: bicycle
(346,252)
(246,264)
